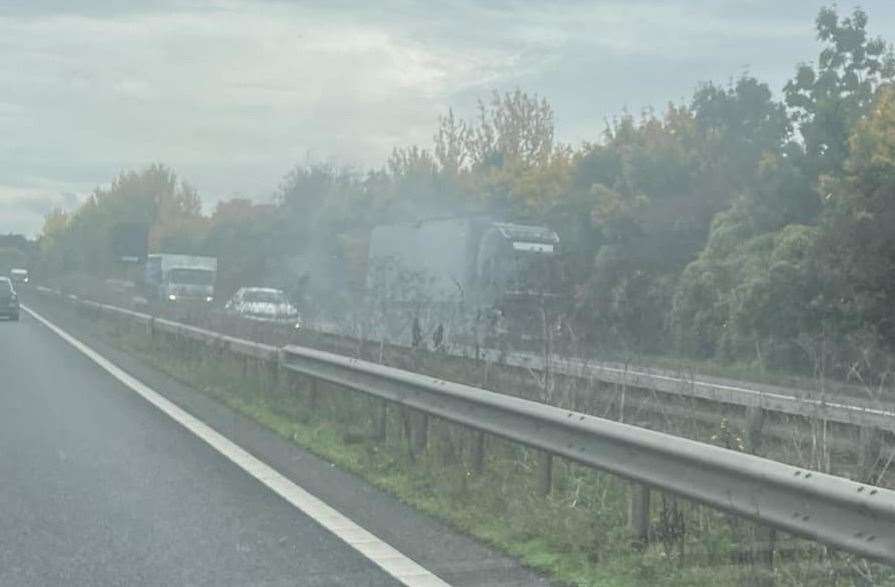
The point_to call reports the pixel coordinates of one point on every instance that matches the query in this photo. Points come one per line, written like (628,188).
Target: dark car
(9,301)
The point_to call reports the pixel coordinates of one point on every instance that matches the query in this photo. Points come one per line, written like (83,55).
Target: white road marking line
(379,552)
(523,360)
(768,394)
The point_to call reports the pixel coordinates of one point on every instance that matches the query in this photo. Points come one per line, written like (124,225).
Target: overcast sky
(233,93)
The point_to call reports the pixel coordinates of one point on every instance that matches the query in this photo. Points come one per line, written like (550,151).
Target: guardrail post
(639,513)
(870,440)
(312,395)
(478,453)
(420,433)
(381,421)
(767,539)
(273,371)
(545,481)
(752,438)
(764,537)
(256,368)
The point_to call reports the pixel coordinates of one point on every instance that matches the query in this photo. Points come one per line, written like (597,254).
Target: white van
(19,276)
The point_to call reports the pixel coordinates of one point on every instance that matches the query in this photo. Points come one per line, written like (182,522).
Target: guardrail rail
(855,517)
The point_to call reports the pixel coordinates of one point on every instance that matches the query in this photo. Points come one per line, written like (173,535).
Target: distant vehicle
(19,276)
(467,269)
(263,303)
(179,278)
(9,301)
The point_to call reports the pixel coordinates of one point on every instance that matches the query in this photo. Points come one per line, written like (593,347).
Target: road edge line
(379,552)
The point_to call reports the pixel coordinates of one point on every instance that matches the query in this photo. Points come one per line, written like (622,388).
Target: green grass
(576,535)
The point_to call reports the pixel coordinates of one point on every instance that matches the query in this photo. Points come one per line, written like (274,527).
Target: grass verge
(575,535)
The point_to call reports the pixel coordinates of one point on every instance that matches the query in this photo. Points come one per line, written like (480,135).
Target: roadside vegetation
(748,224)
(576,534)
(746,232)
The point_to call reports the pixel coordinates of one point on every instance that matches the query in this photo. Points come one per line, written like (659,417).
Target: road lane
(99,487)
(451,555)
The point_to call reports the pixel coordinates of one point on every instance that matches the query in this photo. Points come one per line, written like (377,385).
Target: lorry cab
(517,262)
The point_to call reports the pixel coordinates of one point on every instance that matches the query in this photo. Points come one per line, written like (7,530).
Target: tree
(513,126)
(85,239)
(770,288)
(318,198)
(736,127)
(179,224)
(412,189)
(51,242)
(646,222)
(515,169)
(829,98)
(751,294)
(319,208)
(241,234)
(859,215)
(451,140)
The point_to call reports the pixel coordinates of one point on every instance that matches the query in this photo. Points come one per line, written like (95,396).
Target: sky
(234,93)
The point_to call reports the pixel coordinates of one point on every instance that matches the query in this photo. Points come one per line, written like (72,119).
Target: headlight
(172,297)
(209,299)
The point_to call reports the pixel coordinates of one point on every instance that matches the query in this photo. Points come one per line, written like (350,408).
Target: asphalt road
(99,487)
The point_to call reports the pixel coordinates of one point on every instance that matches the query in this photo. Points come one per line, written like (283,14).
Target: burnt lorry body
(471,276)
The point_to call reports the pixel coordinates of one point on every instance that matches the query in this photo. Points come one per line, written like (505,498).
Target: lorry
(466,271)
(179,278)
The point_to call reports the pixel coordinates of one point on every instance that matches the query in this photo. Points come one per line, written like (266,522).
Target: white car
(263,303)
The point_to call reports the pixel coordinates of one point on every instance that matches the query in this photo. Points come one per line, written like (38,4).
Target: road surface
(97,486)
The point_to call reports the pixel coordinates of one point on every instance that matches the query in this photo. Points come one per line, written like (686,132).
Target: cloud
(251,91)
(22,210)
(232,93)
